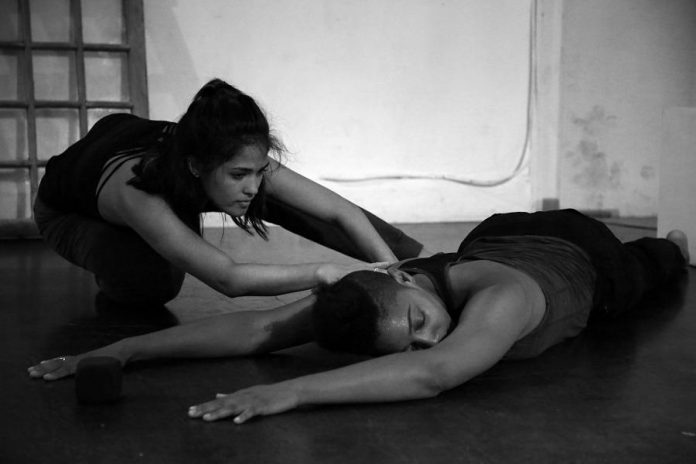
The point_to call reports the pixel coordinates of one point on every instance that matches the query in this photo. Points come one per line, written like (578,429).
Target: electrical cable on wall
(531,101)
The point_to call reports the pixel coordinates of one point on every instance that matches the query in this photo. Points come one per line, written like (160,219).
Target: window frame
(133,47)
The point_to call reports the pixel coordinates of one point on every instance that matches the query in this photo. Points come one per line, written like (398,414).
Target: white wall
(623,63)
(677,174)
(366,87)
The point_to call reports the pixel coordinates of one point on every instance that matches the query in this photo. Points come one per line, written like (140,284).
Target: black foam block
(98,380)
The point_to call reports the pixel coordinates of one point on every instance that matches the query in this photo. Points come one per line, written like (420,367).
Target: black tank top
(562,270)
(70,183)
(436,268)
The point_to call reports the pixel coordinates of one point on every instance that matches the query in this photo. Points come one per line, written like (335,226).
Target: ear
(400,276)
(192,168)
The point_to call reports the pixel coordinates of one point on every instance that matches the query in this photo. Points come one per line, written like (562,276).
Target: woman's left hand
(329,274)
(260,400)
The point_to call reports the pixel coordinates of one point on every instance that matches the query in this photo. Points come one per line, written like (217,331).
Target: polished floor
(624,393)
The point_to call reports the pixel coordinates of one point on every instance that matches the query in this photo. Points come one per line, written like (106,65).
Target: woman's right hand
(55,368)
(329,273)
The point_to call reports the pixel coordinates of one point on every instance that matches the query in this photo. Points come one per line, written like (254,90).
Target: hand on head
(329,274)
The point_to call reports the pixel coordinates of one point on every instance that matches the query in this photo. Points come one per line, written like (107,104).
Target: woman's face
(416,319)
(232,185)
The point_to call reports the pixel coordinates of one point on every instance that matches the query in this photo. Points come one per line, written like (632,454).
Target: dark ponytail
(217,124)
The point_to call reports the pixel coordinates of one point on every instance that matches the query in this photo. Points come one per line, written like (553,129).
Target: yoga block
(98,380)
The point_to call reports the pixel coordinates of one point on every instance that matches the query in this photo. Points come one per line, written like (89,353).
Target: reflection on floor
(624,393)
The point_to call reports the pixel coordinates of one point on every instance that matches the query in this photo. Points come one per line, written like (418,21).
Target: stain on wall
(648,172)
(592,168)
(623,63)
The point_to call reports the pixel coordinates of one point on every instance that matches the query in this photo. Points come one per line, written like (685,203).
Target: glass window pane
(95,114)
(13,135)
(50,20)
(56,129)
(106,76)
(9,20)
(54,76)
(15,194)
(11,86)
(102,21)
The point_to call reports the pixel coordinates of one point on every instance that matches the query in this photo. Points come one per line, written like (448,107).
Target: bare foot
(679,238)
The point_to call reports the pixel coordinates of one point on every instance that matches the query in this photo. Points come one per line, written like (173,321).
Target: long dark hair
(217,124)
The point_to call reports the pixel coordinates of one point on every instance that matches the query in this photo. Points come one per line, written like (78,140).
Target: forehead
(249,156)
(393,328)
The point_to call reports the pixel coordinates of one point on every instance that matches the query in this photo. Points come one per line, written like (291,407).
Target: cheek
(221,187)
(438,316)
(392,336)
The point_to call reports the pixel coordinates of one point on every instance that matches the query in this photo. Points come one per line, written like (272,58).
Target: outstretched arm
(151,217)
(306,195)
(233,334)
(479,341)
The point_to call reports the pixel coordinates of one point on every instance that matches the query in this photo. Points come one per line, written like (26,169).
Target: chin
(236,211)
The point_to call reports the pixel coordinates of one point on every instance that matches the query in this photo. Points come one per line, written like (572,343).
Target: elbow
(233,291)
(229,289)
(436,378)
(430,382)
(230,285)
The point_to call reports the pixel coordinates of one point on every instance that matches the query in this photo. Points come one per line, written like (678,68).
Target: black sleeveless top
(436,268)
(562,270)
(70,183)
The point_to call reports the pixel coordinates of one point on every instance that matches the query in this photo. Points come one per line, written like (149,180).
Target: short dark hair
(219,122)
(346,314)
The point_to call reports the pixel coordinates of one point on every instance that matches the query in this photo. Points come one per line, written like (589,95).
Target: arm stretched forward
(234,334)
(479,342)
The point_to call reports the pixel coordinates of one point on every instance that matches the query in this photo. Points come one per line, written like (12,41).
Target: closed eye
(418,320)
(417,347)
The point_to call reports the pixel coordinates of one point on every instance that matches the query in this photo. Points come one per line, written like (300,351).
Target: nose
(251,186)
(433,334)
(427,340)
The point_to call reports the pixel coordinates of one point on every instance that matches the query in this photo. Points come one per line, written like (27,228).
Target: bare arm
(494,321)
(306,195)
(153,219)
(233,334)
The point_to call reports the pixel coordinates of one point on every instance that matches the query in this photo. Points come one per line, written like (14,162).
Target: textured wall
(363,88)
(623,63)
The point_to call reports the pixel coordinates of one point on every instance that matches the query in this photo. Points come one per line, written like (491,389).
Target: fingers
(221,408)
(380,264)
(260,400)
(244,416)
(52,369)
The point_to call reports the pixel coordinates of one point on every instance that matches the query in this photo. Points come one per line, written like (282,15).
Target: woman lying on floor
(519,284)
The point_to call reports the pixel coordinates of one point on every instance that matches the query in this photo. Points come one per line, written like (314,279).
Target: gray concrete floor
(620,393)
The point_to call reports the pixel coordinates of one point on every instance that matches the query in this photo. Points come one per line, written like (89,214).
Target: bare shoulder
(119,202)
(493,293)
